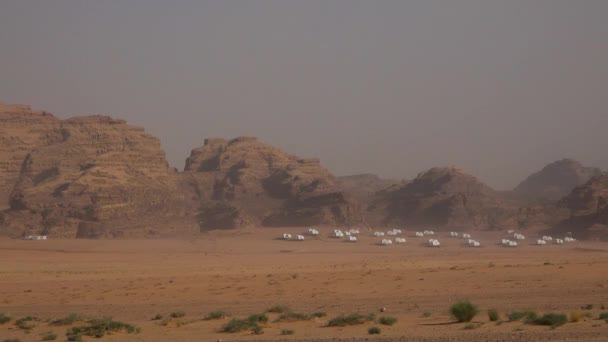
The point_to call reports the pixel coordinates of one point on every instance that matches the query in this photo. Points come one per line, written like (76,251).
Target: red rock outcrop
(244,181)
(445,197)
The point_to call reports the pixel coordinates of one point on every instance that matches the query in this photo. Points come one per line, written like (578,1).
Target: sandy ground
(244,272)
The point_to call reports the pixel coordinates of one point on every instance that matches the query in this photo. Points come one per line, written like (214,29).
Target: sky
(498,88)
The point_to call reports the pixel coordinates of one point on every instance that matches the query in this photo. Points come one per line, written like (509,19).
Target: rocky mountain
(588,208)
(556,180)
(444,197)
(84,176)
(244,181)
(364,186)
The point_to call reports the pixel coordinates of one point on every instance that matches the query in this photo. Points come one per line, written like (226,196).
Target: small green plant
(463,311)
(258,318)
(177,314)
(319,314)
(25,323)
(278,309)
(293,317)
(604,316)
(287,332)
(11,340)
(426,314)
(67,320)
(493,315)
(4,318)
(236,325)
(49,337)
(217,314)
(157,317)
(352,319)
(387,320)
(553,319)
(74,337)
(257,329)
(98,328)
(527,316)
(373,331)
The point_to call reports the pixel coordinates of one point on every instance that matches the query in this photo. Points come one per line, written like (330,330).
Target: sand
(247,271)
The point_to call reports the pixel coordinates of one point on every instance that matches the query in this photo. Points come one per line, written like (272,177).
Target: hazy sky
(499,88)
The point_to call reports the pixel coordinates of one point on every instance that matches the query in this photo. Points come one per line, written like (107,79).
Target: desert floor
(247,271)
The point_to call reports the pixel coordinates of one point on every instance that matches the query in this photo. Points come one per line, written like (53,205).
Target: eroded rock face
(556,180)
(21,131)
(588,207)
(89,169)
(261,184)
(445,197)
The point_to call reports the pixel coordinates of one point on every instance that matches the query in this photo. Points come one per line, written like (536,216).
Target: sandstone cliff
(364,186)
(444,197)
(246,182)
(556,180)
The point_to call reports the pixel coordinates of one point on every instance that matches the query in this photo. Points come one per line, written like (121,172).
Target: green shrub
(157,317)
(4,318)
(99,327)
(352,319)
(257,329)
(67,320)
(493,315)
(528,316)
(11,340)
(604,316)
(318,314)
(552,319)
(287,332)
(178,314)
(49,337)
(293,317)
(217,314)
(258,318)
(373,331)
(576,316)
(426,314)
(278,309)
(74,337)
(386,320)
(236,325)
(25,323)
(463,311)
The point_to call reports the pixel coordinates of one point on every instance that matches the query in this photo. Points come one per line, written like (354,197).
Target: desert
(249,271)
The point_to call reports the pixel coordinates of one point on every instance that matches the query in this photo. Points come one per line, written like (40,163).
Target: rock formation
(444,197)
(556,180)
(244,181)
(92,173)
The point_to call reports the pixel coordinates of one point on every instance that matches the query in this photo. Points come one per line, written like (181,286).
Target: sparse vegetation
(387,320)
(75,338)
(178,314)
(217,314)
(157,317)
(11,340)
(25,323)
(99,327)
(493,315)
(463,311)
(552,319)
(470,326)
(604,316)
(352,319)
(49,337)
(294,317)
(287,332)
(4,318)
(373,331)
(236,325)
(67,320)
(279,309)
(319,314)
(426,314)
(527,316)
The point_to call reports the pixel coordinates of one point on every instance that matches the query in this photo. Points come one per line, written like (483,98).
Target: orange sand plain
(246,271)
